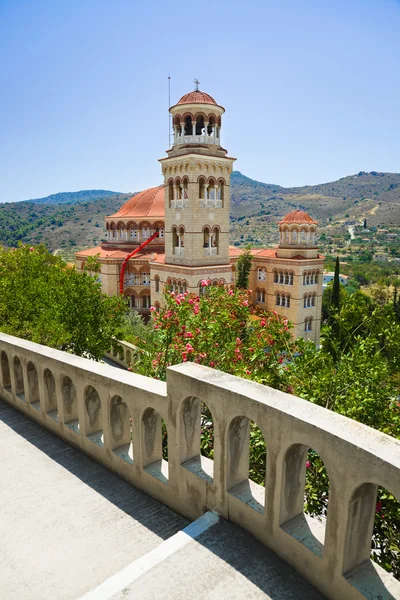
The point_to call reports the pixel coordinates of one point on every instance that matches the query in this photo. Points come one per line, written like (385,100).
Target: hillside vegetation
(75,220)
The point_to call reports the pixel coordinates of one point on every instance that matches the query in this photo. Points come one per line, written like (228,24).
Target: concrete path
(68,525)
(66,522)
(224,563)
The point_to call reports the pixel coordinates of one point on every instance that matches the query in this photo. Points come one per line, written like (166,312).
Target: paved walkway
(68,524)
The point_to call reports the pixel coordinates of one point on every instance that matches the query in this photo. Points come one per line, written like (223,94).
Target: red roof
(298,217)
(197,97)
(145,254)
(149,203)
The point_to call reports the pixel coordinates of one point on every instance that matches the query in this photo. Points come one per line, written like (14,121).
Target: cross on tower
(197,82)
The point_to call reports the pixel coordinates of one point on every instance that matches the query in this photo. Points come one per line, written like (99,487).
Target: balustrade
(116,417)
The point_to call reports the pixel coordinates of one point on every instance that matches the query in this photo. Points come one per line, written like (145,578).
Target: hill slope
(74,197)
(75,220)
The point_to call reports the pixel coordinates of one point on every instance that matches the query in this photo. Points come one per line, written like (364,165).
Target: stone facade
(191,211)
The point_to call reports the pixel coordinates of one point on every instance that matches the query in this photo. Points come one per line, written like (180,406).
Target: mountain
(74,197)
(75,220)
(257,207)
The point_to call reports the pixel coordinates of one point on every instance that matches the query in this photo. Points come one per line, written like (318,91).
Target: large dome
(149,203)
(197,97)
(299,217)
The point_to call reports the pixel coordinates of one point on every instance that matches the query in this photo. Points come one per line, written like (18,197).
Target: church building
(190,212)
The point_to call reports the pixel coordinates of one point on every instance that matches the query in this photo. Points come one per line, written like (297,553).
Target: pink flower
(248,372)
(289,389)
(262,323)
(31,249)
(189,347)
(204,282)
(184,356)
(196,309)
(238,341)
(212,364)
(216,345)
(230,292)
(188,334)
(152,309)
(378,507)
(308,464)
(245,303)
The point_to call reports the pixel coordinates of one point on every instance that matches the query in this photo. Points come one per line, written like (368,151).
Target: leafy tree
(44,300)
(243,269)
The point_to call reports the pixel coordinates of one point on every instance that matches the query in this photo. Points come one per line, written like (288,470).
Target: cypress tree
(243,269)
(336,288)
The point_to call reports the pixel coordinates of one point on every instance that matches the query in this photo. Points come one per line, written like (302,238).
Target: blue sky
(311,89)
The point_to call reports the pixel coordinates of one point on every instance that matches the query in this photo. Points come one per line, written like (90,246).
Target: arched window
(261,274)
(287,300)
(220,194)
(170,192)
(316,276)
(156,283)
(185,188)
(132,231)
(146,301)
(178,189)
(308,324)
(286,278)
(202,188)
(199,124)
(281,277)
(206,237)
(313,299)
(215,241)
(188,125)
(260,294)
(211,191)
(276,276)
(277,299)
(291,274)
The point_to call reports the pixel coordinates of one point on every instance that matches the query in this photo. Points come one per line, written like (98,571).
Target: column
(193,127)
(126,233)
(214,132)
(205,131)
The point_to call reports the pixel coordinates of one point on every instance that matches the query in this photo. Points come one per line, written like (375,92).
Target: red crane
(122,273)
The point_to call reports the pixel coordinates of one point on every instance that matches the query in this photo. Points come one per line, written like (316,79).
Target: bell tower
(197,185)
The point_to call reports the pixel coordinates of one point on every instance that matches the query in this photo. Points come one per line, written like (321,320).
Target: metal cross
(197,82)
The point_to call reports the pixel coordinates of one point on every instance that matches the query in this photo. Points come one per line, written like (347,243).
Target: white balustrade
(116,418)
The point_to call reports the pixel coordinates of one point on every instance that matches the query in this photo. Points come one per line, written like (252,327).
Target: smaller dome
(197,97)
(299,217)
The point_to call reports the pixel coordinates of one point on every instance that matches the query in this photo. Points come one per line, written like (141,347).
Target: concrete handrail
(116,418)
(125,356)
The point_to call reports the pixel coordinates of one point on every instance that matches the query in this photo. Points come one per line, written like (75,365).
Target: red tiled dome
(149,203)
(299,217)
(197,97)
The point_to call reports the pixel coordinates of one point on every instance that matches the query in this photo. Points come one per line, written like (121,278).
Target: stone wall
(116,418)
